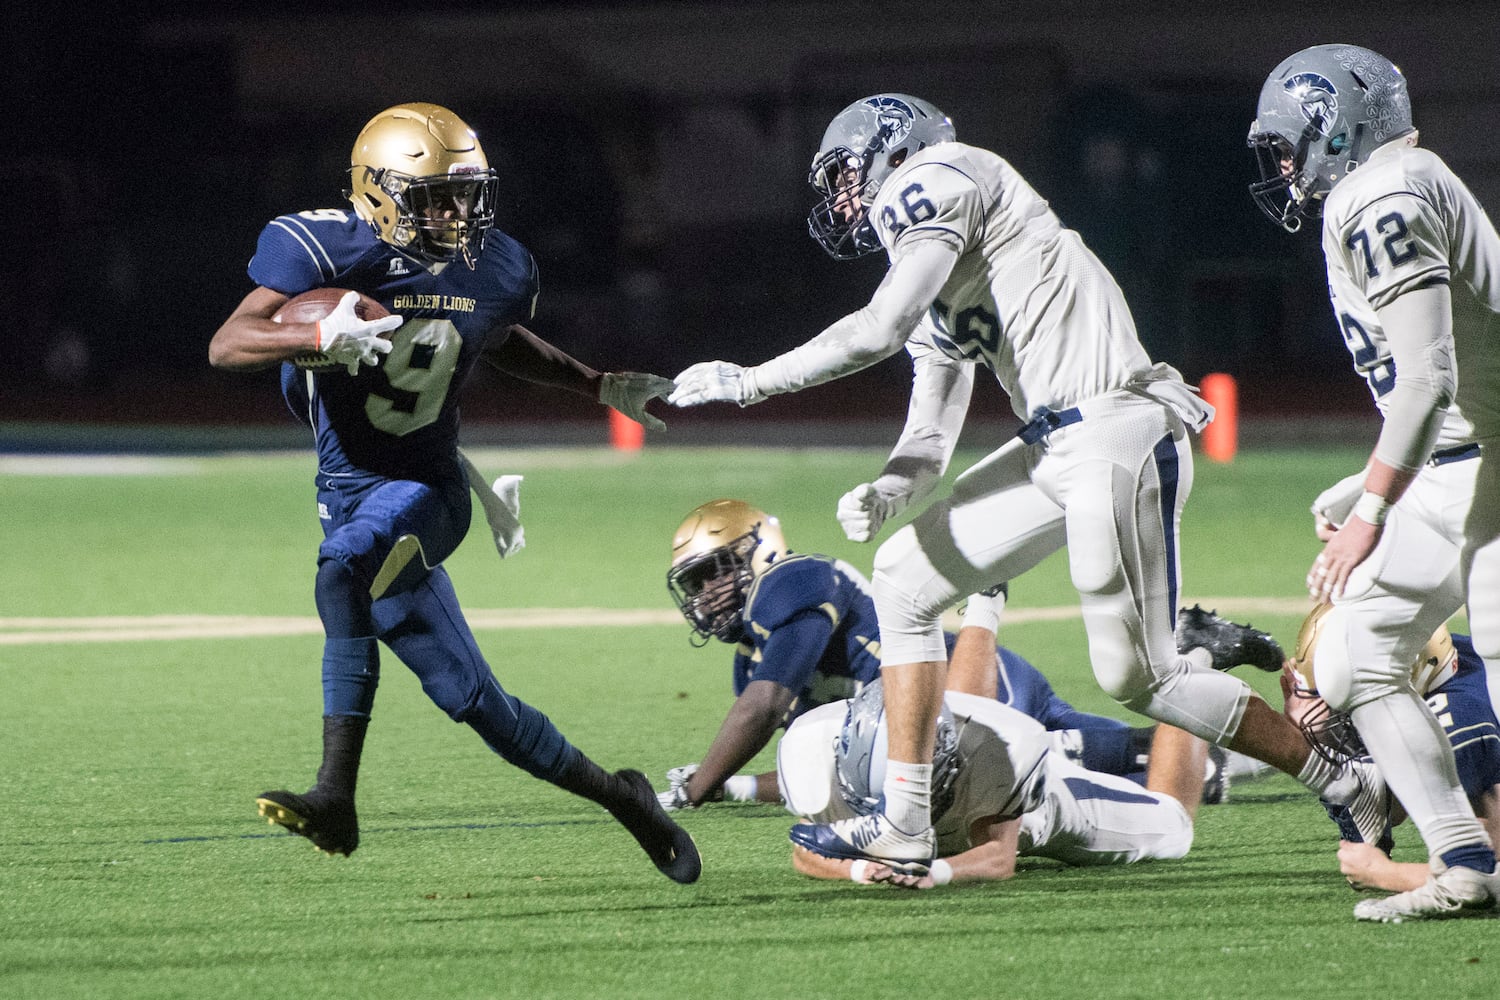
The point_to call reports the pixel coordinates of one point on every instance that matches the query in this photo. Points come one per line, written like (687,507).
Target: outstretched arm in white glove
(351,341)
(629,392)
(502,507)
(859,340)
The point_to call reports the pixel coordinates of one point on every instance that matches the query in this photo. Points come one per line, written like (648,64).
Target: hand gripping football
(311,306)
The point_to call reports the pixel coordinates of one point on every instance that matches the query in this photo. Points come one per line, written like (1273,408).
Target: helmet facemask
(710,589)
(863,145)
(1287,192)
(439,217)
(840,222)
(1331,734)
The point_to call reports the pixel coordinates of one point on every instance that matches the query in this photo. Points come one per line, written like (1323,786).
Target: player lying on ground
(804,631)
(1451,677)
(1000,791)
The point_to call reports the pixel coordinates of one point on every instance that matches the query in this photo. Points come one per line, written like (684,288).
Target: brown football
(311,306)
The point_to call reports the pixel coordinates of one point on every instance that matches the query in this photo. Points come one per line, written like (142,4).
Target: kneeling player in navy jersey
(381,396)
(805,635)
(1451,677)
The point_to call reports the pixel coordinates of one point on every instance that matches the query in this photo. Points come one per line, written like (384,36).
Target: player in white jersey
(1003,792)
(1414,275)
(983,273)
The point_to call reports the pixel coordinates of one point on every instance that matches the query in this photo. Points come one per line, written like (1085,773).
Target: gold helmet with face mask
(419,177)
(717,552)
(1332,733)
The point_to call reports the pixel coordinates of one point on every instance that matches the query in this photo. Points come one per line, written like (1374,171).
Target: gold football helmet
(419,177)
(717,552)
(1331,733)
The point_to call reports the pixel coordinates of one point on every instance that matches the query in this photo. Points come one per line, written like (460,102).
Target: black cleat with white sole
(1229,643)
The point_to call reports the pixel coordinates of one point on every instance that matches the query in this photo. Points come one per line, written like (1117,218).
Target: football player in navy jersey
(381,396)
(1451,678)
(805,633)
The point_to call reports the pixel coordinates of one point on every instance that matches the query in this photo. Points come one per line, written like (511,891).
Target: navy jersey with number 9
(398,418)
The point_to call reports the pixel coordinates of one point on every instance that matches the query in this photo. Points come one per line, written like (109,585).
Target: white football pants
(1111,488)
(1088,818)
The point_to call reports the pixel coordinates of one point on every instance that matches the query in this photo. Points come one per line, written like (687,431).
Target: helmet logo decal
(895,117)
(1318,98)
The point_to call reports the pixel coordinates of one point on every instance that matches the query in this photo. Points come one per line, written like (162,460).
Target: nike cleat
(869,838)
(1454,892)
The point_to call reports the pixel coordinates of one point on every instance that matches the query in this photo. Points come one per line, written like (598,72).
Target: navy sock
(351,672)
(351,658)
(1115,750)
(1475,856)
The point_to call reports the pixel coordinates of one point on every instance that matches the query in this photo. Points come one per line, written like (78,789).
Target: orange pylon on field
(625,434)
(1221,437)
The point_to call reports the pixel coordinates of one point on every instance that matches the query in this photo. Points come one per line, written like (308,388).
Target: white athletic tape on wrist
(741,788)
(1372,508)
(857,870)
(941,872)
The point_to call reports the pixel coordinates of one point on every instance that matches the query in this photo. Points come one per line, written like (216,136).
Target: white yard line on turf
(31,631)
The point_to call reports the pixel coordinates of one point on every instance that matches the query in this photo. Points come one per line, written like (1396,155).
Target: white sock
(908,796)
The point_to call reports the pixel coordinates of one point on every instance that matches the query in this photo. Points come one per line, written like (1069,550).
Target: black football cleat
(1229,643)
(668,845)
(331,824)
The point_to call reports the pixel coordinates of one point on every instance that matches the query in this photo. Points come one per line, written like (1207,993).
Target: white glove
(629,392)
(1334,505)
(864,509)
(676,795)
(715,382)
(502,508)
(351,341)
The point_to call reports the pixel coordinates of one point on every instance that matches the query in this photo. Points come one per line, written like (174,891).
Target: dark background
(655,156)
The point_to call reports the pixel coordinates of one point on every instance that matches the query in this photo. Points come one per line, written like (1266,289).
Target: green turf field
(159,668)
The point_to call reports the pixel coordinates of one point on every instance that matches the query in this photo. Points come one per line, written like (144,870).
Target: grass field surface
(159,659)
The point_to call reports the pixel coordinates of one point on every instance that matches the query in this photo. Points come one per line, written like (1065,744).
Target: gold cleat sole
(277,814)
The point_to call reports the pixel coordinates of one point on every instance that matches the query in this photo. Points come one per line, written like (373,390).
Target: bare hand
(1349,547)
(1361,863)
(884,873)
(1296,702)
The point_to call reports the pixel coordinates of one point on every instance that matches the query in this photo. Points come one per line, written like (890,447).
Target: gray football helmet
(1322,112)
(860,754)
(863,144)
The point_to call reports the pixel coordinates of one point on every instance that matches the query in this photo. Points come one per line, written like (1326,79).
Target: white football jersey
(1000,766)
(1401,221)
(1026,298)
